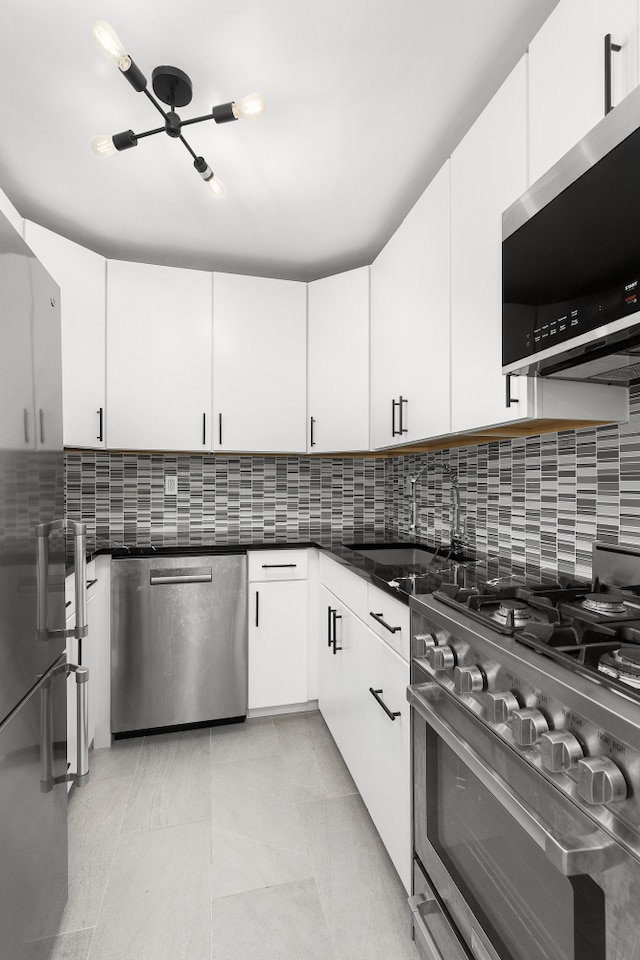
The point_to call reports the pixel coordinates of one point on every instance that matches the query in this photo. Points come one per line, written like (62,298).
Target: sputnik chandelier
(173,87)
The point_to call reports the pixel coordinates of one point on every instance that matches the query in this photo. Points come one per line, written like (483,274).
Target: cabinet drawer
(70,589)
(389,619)
(278,565)
(345,585)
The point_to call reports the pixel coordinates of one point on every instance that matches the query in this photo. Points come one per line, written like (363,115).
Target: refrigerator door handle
(81,777)
(43,531)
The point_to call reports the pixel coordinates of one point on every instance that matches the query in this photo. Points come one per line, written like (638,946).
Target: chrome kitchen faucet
(457,533)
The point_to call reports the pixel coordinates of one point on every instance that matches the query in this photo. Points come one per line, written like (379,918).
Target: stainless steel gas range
(525,702)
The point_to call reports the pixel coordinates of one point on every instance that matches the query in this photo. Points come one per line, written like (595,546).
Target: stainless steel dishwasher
(178,641)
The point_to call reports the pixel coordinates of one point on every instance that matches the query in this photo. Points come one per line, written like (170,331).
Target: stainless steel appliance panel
(178,640)
(33,816)
(31,466)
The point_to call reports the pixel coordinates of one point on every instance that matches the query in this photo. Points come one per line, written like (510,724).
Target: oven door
(516,868)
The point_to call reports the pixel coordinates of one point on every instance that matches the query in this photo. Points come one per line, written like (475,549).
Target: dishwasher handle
(156,579)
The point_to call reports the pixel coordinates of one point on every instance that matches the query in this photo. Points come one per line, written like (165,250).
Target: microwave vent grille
(622,373)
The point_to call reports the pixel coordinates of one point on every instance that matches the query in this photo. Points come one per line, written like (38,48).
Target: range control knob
(600,780)
(528,726)
(469,679)
(500,706)
(424,641)
(560,750)
(441,658)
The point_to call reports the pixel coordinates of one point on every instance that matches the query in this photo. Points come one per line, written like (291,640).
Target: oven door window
(526,907)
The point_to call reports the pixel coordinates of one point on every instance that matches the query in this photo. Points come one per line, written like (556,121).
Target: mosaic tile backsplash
(221,499)
(542,500)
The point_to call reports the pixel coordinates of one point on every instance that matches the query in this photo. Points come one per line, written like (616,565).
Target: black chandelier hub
(172,124)
(172,86)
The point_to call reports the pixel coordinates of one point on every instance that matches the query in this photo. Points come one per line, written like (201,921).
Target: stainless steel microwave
(571,261)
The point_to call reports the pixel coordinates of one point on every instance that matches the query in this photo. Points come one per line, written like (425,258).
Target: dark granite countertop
(400,580)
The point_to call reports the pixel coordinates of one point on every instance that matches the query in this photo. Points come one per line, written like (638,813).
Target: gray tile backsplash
(221,499)
(541,499)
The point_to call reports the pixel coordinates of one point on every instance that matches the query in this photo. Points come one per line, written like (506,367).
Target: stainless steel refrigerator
(33,671)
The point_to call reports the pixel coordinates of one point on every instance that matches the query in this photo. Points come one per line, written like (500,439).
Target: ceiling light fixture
(173,87)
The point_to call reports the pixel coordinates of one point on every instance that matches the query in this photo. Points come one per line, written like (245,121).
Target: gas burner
(623,664)
(606,603)
(514,613)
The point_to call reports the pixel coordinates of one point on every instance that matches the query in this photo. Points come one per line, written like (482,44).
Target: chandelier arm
(154,102)
(150,133)
(194,155)
(207,116)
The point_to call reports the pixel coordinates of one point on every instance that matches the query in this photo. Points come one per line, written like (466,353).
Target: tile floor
(245,842)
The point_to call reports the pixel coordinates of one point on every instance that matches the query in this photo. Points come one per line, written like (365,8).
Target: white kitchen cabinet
(488,172)
(80,275)
(353,661)
(158,357)
(410,397)
(566,74)
(259,364)
(17,424)
(278,629)
(338,362)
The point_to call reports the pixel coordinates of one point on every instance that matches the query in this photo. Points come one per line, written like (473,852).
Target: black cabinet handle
(609,47)
(100,423)
(330,612)
(508,399)
(392,714)
(401,428)
(267,566)
(204,429)
(378,617)
(335,617)
(312,442)
(91,583)
(257,608)
(220,429)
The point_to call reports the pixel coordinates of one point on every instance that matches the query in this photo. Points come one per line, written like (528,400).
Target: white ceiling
(365,100)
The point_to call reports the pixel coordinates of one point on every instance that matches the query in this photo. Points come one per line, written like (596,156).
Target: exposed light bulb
(103,146)
(248,108)
(216,187)
(108,42)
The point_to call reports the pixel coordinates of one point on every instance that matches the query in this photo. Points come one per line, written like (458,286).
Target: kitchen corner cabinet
(278,628)
(158,357)
(410,395)
(259,364)
(566,74)
(338,362)
(80,275)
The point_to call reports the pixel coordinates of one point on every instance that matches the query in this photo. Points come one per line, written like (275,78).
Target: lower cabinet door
(277,643)
(386,743)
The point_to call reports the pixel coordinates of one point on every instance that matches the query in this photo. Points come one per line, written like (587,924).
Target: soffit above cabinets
(365,100)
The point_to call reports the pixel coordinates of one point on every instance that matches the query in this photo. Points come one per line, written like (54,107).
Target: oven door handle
(580,854)
(424,906)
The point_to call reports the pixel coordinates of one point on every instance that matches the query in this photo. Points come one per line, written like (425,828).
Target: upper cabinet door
(338,362)
(259,363)
(410,397)
(80,274)
(158,357)
(488,172)
(567,74)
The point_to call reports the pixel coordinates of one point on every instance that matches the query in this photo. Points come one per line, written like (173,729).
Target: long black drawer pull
(91,583)
(257,609)
(100,413)
(266,566)
(608,48)
(336,616)
(378,617)
(330,611)
(392,714)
